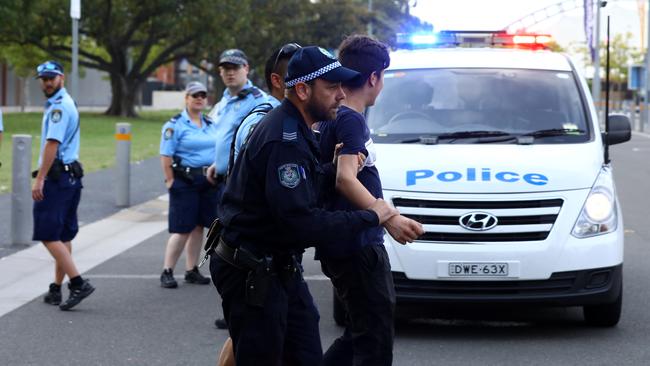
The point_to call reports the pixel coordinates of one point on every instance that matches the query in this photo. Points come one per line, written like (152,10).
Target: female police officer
(186,151)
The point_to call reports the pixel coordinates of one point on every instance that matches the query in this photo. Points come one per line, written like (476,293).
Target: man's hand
(383,210)
(168,183)
(37,189)
(210,175)
(403,229)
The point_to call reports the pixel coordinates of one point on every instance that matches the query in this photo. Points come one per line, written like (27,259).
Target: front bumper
(573,288)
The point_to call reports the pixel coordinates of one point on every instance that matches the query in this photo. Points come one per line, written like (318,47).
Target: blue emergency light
(454,38)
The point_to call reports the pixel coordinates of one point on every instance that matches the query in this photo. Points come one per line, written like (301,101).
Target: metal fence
(639,116)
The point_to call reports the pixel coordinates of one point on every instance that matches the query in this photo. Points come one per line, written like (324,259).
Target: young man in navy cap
(271,213)
(362,276)
(57,188)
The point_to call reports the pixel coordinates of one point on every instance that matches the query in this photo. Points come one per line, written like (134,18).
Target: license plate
(466,269)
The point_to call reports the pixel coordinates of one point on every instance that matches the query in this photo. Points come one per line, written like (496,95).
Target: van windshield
(479,106)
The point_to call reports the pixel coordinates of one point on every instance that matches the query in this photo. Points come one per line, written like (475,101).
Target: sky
(496,14)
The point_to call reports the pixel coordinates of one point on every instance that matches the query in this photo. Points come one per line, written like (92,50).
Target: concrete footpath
(129,319)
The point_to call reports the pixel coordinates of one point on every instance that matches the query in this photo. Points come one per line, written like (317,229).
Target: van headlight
(598,215)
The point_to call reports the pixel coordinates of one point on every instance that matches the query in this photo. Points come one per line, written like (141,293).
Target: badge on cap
(326,53)
(289,175)
(169,133)
(55,115)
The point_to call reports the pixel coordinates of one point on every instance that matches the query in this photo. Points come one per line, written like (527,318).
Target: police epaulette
(207,118)
(290,130)
(256,92)
(58,100)
(175,118)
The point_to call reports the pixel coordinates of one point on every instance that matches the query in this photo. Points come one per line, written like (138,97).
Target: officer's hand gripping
(383,210)
(403,229)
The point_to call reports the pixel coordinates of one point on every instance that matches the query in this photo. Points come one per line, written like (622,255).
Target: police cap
(233,56)
(49,69)
(309,63)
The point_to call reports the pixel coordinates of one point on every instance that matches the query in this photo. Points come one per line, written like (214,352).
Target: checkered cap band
(233,60)
(311,76)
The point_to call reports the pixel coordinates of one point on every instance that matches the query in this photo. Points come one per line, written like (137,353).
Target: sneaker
(53,296)
(77,294)
(221,323)
(194,276)
(167,279)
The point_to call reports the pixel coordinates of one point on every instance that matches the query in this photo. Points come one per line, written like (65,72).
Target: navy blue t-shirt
(351,129)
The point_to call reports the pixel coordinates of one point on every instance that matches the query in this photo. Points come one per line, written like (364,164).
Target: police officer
(271,213)
(239,98)
(57,188)
(186,151)
(274,71)
(1,130)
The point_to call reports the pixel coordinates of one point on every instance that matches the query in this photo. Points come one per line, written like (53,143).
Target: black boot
(53,296)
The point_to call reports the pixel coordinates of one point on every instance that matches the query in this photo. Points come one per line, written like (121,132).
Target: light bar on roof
(473,39)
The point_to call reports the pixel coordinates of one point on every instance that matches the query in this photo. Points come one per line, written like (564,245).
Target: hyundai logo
(478,221)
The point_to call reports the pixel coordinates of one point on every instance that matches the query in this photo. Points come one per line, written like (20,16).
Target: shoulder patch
(168,133)
(55,115)
(289,175)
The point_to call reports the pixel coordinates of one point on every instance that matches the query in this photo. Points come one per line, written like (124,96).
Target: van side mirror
(620,129)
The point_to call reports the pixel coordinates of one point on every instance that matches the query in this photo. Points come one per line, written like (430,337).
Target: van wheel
(339,310)
(604,315)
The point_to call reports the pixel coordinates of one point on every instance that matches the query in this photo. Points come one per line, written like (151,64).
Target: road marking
(157,276)
(25,275)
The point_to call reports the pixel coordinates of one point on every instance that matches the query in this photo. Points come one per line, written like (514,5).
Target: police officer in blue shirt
(239,98)
(186,151)
(1,131)
(271,213)
(57,188)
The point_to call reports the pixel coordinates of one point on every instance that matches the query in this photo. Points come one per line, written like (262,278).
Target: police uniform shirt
(248,124)
(351,129)
(227,115)
(271,201)
(61,123)
(192,144)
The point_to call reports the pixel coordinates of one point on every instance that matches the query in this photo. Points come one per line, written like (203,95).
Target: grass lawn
(97,149)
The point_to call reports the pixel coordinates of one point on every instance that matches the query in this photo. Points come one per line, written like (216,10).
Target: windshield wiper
(472,134)
(426,140)
(554,132)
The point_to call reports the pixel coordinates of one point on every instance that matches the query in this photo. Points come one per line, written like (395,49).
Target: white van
(498,152)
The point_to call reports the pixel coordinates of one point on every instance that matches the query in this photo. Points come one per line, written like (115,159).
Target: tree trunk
(125,91)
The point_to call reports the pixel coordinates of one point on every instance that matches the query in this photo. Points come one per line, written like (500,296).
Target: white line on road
(157,276)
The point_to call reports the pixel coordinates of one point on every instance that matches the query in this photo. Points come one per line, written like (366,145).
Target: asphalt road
(130,320)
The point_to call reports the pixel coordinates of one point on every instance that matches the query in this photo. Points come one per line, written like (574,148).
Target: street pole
(21,193)
(645,113)
(595,87)
(122,164)
(370,20)
(75,14)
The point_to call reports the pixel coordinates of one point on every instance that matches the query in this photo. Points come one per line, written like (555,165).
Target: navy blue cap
(49,69)
(309,63)
(233,56)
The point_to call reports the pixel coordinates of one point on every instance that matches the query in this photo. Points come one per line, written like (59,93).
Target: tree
(23,61)
(128,39)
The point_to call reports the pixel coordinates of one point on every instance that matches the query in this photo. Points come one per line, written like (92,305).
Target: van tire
(338,309)
(604,315)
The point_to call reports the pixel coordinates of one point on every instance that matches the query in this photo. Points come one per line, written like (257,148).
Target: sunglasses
(48,67)
(201,95)
(286,52)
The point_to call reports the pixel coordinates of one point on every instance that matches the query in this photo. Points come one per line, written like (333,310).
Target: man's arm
(49,154)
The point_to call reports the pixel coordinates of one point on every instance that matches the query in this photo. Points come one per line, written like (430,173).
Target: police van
(493,143)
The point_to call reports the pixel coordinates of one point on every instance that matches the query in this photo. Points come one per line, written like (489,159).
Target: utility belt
(261,268)
(186,172)
(75,169)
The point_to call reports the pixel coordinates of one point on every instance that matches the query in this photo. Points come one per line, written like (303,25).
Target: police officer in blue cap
(57,188)
(271,213)
(239,98)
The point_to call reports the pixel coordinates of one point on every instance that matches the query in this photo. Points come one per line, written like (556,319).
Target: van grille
(524,220)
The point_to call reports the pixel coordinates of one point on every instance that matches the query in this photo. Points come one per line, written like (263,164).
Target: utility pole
(75,14)
(646,105)
(370,20)
(595,87)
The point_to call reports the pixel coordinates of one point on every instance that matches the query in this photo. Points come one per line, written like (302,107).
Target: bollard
(122,164)
(21,190)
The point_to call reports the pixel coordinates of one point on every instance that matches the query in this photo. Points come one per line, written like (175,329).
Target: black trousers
(282,332)
(365,285)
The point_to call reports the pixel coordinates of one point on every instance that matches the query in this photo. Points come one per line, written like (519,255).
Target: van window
(503,102)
